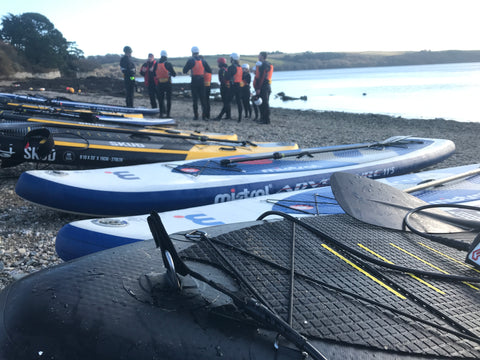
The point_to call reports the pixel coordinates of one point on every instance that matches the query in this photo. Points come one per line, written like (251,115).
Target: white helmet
(195,50)
(258,101)
(259,63)
(246,66)
(163,53)
(235,56)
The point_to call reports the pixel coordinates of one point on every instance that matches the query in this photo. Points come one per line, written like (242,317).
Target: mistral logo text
(243,194)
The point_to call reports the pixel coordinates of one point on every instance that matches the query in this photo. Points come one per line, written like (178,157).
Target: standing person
(261,84)
(224,88)
(245,90)
(235,73)
(163,76)
(198,67)
(208,88)
(128,69)
(147,71)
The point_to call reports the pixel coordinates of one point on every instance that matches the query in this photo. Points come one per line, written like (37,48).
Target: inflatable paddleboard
(131,128)
(24,114)
(291,289)
(83,237)
(65,103)
(89,148)
(168,186)
(36,108)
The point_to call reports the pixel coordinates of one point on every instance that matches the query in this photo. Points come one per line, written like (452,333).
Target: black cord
(459,245)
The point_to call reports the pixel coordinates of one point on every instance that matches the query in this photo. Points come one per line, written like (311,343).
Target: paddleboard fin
(473,256)
(251,306)
(171,260)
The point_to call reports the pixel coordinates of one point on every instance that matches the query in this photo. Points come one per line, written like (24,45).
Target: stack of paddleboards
(70,104)
(66,136)
(322,287)
(456,185)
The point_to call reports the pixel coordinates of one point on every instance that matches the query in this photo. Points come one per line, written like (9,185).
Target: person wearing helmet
(147,71)
(224,88)
(245,90)
(235,74)
(163,75)
(198,67)
(128,69)
(261,84)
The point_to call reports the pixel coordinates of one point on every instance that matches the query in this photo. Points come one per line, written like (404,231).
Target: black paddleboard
(314,274)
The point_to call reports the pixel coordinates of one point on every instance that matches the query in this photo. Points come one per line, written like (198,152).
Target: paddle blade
(379,204)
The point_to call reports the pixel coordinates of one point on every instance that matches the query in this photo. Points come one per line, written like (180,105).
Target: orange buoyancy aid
(270,74)
(207,78)
(161,73)
(198,69)
(260,78)
(237,78)
(147,70)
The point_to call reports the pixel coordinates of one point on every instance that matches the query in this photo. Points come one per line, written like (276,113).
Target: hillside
(107,66)
(324,60)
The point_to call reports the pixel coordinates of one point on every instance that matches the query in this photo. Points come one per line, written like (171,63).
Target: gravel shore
(27,231)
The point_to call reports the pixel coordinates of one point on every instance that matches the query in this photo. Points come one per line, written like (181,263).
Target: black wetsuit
(128,69)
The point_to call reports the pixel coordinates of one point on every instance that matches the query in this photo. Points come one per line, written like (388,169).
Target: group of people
(235,80)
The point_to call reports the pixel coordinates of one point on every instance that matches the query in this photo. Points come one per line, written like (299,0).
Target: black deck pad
(332,313)
(101,306)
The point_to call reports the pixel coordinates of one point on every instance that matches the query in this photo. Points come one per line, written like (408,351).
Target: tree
(34,36)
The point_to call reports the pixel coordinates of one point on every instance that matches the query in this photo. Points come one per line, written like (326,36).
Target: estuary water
(447,91)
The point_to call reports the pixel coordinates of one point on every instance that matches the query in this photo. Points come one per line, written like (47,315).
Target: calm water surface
(448,91)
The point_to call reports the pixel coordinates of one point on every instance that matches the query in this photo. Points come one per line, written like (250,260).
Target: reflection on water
(448,91)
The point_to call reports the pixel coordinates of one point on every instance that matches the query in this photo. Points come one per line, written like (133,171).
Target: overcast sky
(247,27)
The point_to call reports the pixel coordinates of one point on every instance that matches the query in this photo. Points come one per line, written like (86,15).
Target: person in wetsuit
(198,67)
(128,69)
(147,71)
(224,80)
(163,76)
(235,74)
(245,90)
(261,84)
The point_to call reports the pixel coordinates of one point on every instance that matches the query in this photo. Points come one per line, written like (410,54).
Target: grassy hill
(108,65)
(330,60)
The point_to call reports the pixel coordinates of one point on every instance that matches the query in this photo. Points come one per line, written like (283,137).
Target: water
(448,91)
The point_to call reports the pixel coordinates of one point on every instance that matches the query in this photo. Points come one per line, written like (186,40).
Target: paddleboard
(87,148)
(79,105)
(83,237)
(263,290)
(9,121)
(6,104)
(168,186)
(23,114)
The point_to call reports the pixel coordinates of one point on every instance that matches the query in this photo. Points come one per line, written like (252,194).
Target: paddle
(57,109)
(429,184)
(379,204)
(395,140)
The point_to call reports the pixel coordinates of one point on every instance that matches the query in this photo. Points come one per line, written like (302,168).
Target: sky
(102,27)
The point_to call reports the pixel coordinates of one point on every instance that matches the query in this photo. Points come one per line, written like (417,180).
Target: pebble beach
(27,231)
